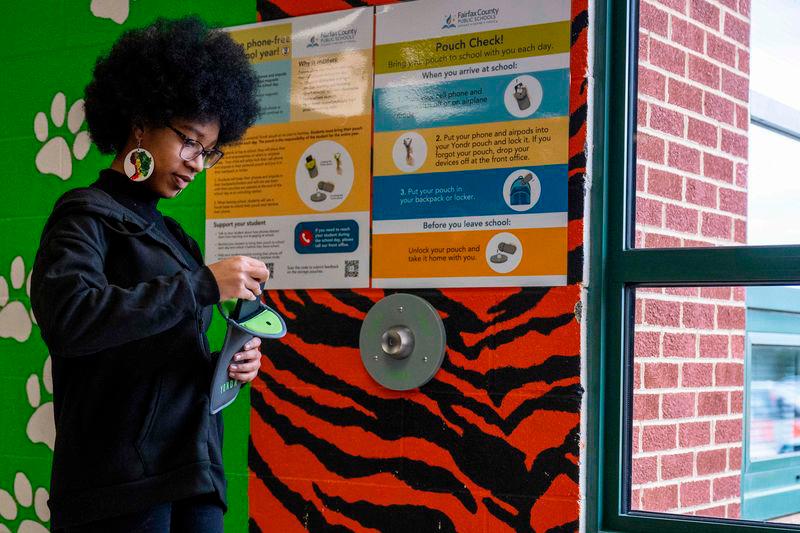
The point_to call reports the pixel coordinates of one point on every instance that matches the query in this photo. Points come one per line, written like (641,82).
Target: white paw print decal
(42,425)
(55,157)
(116,10)
(15,320)
(24,496)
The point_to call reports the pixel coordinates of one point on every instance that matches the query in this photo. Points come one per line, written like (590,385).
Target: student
(123,298)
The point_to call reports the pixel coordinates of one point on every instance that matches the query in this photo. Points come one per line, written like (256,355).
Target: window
(771,464)
(774,187)
(773,428)
(695,259)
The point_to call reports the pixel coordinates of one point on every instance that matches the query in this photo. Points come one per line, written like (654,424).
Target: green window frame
(617,268)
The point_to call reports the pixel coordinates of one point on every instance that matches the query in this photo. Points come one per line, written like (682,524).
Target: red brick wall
(691,191)
(694,63)
(688,397)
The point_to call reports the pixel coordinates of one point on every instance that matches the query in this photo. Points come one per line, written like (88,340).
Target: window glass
(774,424)
(688,386)
(776,50)
(715,396)
(711,76)
(773,194)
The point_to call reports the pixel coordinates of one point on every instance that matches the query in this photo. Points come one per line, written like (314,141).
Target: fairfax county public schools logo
(327,38)
(471,17)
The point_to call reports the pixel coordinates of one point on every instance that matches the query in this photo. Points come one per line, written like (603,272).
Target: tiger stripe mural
(490,444)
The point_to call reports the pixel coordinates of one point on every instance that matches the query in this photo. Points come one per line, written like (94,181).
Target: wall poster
(295,192)
(471,143)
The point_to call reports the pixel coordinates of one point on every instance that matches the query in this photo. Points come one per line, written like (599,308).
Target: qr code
(351,268)
(271,268)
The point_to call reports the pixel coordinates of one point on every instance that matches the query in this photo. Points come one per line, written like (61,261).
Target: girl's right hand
(239,277)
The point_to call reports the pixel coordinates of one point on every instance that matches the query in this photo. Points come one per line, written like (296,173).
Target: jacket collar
(98,202)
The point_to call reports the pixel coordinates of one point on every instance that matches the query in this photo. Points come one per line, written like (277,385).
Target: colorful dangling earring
(139,163)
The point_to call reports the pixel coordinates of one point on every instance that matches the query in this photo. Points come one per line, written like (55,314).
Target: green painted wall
(47,49)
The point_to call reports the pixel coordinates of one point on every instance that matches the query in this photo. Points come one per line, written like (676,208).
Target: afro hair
(170,69)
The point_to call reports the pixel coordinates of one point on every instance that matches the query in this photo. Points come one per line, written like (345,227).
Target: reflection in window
(715,397)
(687,396)
(774,401)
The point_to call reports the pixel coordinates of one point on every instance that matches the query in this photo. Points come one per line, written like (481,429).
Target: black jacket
(124,315)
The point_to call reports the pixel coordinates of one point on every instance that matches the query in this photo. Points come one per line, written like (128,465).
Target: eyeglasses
(192,148)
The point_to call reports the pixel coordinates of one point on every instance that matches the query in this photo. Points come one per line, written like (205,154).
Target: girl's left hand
(247,362)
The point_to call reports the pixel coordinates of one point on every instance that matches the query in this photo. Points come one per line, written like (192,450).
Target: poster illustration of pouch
(295,192)
(471,143)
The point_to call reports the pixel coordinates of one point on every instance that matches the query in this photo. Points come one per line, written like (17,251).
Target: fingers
(255,273)
(246,363)
(256,269)
(250,352)
(246,370)
(239,277)
(244,367)
(253,289)
(245,378)
(255,342)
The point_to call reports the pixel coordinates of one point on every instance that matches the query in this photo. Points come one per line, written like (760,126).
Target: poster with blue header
(470,145)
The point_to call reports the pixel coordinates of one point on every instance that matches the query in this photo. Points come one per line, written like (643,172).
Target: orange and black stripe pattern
(490,444)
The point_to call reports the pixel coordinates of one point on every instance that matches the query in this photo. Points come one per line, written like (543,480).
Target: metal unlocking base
(402,342)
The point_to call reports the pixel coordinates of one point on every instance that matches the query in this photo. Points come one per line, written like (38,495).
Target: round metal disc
(414,313)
